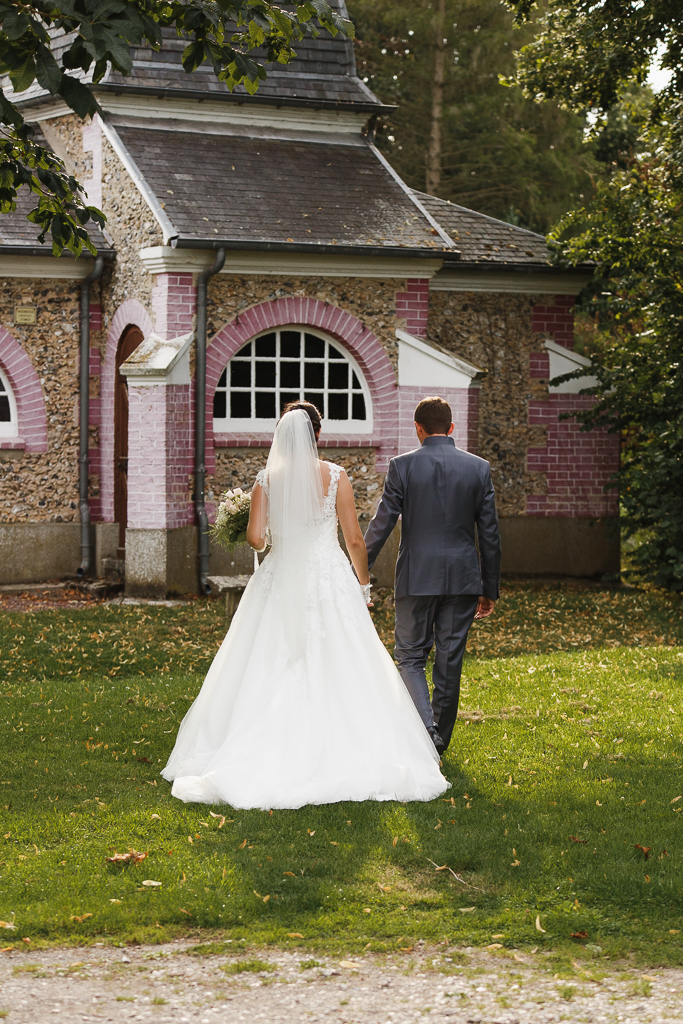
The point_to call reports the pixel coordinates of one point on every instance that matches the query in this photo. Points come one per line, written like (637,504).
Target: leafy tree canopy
(99,33)
(501,153)
(590,55)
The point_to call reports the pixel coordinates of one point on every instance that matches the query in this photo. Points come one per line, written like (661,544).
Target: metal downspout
(200,424)
(84,417)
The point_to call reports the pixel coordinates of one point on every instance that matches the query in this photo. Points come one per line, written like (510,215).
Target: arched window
(8,409)
(288,365)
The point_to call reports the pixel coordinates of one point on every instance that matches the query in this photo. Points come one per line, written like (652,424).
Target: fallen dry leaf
(294,935)
(183,911)
(467,910)
(132,857)
(495,945)
(579,935)
(190,840)
(290,874)
(676,799)
(645,850)
(156,817)
(394,841)
(348,964)
(539,927)
(332,843)
(266,898)
(151,883)
(221,823)
(367,910)
(9,925)
(310,833)
(83,917)
(242,844)
(585,765)
(575,839)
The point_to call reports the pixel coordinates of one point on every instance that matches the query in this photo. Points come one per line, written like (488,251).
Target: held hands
(366,588)
(485,607)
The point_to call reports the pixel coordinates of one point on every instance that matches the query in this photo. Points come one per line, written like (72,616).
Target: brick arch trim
(129,313)
(28,394)
(345,328)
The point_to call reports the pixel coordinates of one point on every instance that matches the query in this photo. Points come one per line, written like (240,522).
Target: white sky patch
(659,77)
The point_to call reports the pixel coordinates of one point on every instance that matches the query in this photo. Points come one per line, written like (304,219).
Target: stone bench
(233,588)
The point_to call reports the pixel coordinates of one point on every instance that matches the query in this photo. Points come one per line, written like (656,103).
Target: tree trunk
(434,152)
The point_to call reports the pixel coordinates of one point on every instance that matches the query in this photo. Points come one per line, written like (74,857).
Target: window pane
(286,397)
(219,405)
(265,346)
(356,382)
(358,407)
(338,407)
(317,399)
(265,405)
(265,375)
(338,376)
(315,347)
(245,352)
(289,375)
(314,375)
(222,380)
(240,405)
(5,415)
(335,353)
(240,374)
(290,344)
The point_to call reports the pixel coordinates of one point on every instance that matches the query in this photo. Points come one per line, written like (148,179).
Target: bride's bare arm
(256,528)
(348,520)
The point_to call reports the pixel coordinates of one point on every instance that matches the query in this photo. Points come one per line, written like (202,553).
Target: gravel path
(164,984)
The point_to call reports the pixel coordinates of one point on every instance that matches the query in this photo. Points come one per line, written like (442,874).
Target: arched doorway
(130,339)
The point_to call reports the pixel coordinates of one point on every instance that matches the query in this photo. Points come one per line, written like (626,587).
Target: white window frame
(10,429)
(267,426)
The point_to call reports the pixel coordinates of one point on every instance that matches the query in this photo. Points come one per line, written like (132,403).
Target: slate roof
(17,233)
(323,75)
(485,240)
(276,187)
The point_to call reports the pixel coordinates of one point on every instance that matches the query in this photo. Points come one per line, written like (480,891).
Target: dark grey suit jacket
(440,492)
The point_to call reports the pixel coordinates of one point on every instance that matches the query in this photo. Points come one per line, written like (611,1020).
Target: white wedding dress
(303,704)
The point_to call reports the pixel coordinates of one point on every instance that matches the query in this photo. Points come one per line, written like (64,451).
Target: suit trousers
(423,622)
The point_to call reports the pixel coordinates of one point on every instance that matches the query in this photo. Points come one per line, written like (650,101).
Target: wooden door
(130,339)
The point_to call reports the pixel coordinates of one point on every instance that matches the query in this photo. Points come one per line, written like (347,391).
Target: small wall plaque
(24,314)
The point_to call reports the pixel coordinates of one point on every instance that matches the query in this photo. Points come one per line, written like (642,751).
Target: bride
(303,704)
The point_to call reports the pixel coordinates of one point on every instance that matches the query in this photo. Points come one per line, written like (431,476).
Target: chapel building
(273,227)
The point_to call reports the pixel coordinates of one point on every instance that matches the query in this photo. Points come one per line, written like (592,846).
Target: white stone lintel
(160,361)
(425,365)
(564,360)
(164,259)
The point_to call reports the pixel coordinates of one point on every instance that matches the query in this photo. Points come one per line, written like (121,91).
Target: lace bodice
(330,499)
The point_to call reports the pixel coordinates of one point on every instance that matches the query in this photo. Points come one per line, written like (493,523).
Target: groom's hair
(309,408)
(434,415)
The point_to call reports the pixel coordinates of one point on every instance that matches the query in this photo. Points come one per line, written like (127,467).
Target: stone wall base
(552,545)
(161,563)
(38,552)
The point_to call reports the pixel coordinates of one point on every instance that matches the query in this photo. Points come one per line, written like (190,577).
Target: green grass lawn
(563,813)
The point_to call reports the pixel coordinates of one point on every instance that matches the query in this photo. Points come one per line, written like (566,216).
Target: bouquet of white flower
(232,518)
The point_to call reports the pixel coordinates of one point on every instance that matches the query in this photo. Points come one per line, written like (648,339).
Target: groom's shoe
(436,740)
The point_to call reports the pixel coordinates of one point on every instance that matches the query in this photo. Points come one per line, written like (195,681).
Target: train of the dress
(270,730)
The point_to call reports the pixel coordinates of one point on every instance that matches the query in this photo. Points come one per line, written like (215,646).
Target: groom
(440,492)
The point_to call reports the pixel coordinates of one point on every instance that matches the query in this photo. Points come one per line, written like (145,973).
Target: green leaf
(48,71)
(23,74)
(78,97)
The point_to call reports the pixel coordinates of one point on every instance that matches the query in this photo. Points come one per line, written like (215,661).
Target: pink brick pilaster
(577,465)
(159,456)
(413,306)
(557,320)
(174,303)
(461,405)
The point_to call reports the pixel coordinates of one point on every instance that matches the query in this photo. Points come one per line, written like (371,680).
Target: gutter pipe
(200,424)
(84,417)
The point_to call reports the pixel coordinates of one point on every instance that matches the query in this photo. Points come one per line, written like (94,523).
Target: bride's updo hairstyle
(309,408)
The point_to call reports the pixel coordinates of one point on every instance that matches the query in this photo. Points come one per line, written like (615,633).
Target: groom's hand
(485,607)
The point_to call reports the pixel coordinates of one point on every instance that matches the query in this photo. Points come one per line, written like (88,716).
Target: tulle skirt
(285,720)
